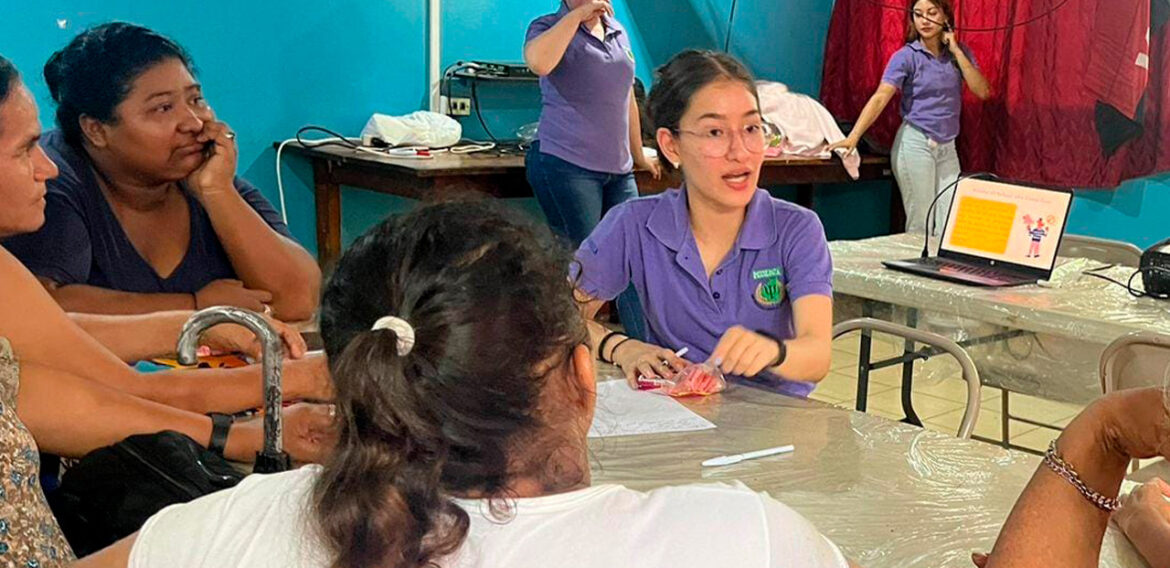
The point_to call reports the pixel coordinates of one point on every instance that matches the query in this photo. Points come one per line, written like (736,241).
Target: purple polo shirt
(585,113)
(932,89)
(780,255)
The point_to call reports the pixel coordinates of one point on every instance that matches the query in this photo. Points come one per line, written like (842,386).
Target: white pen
(728,460)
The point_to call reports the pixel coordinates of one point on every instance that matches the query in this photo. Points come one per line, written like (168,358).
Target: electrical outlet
(460,107)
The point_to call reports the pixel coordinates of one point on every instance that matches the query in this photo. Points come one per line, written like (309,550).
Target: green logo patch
(769,293)
(770,289)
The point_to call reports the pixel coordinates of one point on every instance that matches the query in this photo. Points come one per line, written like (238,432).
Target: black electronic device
(1155,269)
(494,71)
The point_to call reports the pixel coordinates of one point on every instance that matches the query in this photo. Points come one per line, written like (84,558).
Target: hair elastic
(401,328)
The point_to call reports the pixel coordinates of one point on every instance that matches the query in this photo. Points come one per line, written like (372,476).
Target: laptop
(997,234)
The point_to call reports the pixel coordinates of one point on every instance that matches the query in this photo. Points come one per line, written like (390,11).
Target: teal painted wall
(269,71)
(1137,212)
(265,71)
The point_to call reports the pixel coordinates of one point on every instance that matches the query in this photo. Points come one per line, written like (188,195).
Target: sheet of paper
(622,411)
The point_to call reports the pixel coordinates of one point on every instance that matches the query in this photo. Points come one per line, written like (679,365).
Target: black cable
(1105,278)
(479,113)
(341,140)
(991,29)
(1094,272)
(928,229)
(1007,347)
(1145,293)
(449,74)
(730,27)
(1128,285)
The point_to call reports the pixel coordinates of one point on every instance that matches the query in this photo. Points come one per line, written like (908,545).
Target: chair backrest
(970,374)
(1107,251)
(1135,360)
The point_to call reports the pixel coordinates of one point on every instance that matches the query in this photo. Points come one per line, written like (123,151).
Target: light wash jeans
(923,168)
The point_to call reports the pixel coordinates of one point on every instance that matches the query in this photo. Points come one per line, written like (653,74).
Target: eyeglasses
(716,142)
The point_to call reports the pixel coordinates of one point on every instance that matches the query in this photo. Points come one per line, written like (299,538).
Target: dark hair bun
(93,74)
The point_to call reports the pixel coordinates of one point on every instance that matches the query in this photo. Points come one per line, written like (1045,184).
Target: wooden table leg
(328,194)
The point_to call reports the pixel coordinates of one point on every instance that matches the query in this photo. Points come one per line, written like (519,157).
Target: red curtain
(1040,124)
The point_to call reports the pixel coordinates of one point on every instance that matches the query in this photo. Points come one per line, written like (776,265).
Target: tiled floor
(939,397)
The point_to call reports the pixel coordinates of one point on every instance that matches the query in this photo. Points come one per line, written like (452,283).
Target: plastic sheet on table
(890,495)
(1058,330)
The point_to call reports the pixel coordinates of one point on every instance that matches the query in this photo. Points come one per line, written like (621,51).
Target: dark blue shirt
(82,241)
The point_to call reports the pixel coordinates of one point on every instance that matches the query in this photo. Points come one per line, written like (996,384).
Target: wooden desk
(502,176)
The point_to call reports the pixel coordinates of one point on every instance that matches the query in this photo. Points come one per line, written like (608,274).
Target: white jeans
(923,168)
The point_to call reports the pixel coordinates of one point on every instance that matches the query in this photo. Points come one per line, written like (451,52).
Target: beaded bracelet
(1065,470)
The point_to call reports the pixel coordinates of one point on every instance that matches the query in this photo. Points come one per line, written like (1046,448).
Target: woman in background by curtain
(929,71)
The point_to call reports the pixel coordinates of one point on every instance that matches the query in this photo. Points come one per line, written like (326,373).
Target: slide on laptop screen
(1007,223)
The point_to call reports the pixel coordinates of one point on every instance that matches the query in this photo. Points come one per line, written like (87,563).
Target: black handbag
(112,491)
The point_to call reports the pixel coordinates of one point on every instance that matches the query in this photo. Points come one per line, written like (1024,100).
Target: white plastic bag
(420,128)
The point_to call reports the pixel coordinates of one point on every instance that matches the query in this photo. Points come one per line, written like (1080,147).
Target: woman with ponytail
(465,391)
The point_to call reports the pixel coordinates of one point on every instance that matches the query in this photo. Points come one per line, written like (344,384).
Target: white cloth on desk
(266,521)
(807,126)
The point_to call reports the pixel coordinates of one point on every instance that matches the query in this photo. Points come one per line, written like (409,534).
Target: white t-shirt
(266,521)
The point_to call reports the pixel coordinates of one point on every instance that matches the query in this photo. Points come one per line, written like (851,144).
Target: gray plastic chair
(970,374)
(1135,360)
(1107,251)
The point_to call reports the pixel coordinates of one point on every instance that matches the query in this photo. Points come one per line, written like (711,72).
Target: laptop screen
(1007,222)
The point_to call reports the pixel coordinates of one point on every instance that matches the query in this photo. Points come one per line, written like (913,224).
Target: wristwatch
(783,353)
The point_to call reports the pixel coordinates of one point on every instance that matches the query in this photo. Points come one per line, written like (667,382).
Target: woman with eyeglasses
(929,71)
(739,278)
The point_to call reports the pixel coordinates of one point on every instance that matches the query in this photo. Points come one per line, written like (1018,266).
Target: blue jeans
(923,168)
(574,199)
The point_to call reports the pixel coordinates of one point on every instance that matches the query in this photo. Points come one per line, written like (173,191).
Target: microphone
(930,210)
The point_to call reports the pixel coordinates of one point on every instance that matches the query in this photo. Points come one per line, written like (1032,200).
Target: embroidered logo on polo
(770,288)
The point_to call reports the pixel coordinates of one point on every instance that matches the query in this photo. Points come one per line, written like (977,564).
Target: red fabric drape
(1040,124)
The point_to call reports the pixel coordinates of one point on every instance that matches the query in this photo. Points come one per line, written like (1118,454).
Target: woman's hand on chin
(216,174)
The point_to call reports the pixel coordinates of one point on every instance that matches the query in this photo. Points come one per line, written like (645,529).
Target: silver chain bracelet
(1065,470)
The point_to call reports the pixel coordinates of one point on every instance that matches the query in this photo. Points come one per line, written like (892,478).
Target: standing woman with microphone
(590,135)
(929,71)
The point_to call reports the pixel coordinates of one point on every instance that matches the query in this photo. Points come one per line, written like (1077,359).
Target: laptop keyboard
(984,272)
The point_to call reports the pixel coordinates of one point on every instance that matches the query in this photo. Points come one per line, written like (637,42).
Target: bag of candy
(697,379)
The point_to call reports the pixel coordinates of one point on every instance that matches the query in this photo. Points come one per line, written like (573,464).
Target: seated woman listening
(721,267)
(465,392)
(1061,517)
(146,214)
(67,395)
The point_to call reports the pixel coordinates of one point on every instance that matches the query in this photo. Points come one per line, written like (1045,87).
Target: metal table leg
(908,373)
